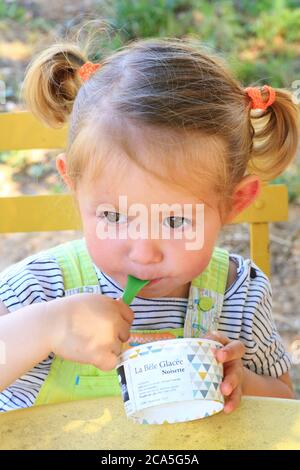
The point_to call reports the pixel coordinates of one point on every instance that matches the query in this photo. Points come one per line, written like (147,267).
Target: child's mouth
(154,281)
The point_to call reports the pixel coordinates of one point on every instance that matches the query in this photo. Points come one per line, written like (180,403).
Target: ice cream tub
(171,381)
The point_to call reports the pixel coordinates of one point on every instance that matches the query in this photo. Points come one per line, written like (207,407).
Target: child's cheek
(107,254)
(101,251)
(194,261)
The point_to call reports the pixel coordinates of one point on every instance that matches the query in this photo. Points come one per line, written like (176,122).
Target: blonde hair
(172,93)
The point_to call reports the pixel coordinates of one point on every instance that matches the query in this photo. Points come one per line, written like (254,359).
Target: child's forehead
(147,163)
(138,186)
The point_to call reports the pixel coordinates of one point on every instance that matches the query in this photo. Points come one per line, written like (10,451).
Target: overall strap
(206,296)
(77,267)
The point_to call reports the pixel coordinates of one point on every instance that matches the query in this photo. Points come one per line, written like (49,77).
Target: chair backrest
(19,131)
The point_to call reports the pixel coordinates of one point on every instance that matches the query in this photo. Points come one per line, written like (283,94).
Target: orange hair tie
(257,99)
(88,69)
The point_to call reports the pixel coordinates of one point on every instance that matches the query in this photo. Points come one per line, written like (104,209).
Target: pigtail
(275,136)
(51,83)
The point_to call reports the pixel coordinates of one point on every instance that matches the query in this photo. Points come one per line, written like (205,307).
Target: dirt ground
(17,43)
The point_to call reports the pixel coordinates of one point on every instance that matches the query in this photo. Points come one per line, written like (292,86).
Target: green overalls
(68,380)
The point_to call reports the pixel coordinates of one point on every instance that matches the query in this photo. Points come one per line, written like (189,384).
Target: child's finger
(124,331)
(109,362)
(217,336)
(233,377)
(233,401)
(116,348)
(230,352)
(126,312)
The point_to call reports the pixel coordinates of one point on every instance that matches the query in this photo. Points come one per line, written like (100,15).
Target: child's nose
(145,252)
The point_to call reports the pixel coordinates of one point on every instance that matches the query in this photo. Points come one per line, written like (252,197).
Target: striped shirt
(246,316)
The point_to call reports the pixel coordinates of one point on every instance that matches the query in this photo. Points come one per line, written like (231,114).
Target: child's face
(130,248)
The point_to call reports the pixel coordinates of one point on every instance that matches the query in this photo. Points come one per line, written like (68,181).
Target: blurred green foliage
(259,39)
(291,179)
(11,10)
(16,158)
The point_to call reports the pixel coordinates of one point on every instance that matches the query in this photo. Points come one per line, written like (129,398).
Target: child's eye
(177,222)
(113,217)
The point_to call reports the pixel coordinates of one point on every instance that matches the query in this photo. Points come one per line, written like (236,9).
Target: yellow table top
(258,423)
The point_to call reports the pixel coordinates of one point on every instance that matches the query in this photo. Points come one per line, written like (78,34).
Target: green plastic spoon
(133,286)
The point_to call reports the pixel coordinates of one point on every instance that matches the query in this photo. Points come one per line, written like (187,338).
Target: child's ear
(244,195)
(61,167)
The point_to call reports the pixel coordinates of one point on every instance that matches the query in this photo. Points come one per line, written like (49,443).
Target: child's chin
(157,290)
(152,288)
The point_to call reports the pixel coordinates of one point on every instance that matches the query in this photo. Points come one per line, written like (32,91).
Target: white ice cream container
(171,381)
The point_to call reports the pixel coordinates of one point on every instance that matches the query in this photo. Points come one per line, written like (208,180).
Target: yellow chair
(262,423)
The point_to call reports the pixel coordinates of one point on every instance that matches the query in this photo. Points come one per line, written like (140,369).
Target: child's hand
(230,356)
(89,328)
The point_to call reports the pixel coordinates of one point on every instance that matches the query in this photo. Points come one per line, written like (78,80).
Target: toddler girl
(165,147)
